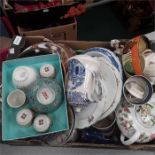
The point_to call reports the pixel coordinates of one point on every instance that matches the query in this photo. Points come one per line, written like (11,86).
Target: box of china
(82,45)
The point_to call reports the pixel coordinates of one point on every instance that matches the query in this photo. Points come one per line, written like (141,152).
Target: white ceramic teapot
(136,123)
(149,64)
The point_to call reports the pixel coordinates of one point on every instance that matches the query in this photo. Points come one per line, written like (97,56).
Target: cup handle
(131,140)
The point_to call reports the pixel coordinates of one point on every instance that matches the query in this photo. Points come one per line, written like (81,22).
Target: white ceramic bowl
(42,123)
(24,117)
(16,98)
(24,77)
(47,70)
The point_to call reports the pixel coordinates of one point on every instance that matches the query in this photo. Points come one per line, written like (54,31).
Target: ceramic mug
(16,98)
(106,125)
(137,90)
(82,71)
(149,65)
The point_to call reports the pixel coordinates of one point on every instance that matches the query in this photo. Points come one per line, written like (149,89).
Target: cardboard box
(84,45)
(64,32)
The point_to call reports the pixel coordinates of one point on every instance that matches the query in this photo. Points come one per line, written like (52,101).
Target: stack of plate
(111,83)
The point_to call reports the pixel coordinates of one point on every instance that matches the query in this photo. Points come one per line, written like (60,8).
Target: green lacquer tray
(10,129)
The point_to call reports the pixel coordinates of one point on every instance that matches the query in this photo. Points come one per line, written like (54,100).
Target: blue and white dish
(106,53)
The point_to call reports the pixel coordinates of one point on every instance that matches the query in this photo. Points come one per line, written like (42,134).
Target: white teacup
(24,77)
(137,89)
(16,98)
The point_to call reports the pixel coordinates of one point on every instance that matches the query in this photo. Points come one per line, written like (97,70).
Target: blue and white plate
(106,53)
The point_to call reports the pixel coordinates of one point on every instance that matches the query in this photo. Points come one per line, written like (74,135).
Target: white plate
(90,114)
(109,108)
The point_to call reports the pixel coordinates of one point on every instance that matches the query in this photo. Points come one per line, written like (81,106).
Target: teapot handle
(131,140)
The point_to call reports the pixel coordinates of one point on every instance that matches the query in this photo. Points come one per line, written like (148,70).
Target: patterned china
(137,123)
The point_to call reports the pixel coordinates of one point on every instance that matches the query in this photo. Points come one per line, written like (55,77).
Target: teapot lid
(146,115)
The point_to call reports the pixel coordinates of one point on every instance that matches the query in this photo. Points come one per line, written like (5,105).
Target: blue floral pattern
(76,73)
(77,98)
